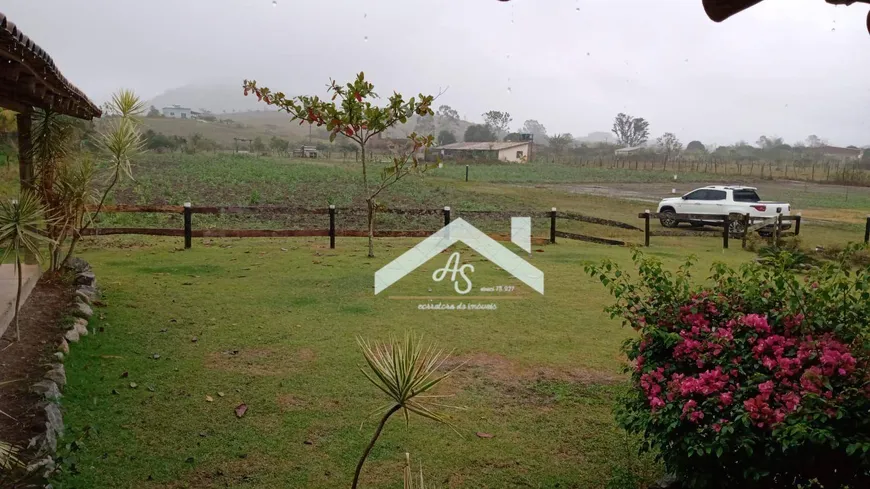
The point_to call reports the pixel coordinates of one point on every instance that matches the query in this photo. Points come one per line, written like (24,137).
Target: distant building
(514,152)
(305,152)
(178,112)
(839,153)
(630,150)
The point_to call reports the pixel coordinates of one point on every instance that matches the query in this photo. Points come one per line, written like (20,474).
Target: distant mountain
(217,98)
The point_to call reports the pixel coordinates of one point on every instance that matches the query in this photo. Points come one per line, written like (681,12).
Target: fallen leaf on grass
(221,394)
(481,434)
(209,399)
(156,356)
(194,339)
(124,375)
(133,385)
(241,409)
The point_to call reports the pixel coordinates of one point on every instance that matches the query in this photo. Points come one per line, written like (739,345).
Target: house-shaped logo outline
(456,231)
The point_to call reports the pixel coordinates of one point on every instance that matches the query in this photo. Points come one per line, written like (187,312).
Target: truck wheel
(669,219)
(735,225)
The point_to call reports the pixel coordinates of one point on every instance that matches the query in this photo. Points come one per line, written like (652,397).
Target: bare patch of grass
(260,361)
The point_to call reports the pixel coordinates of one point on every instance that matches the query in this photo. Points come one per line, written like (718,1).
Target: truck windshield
(746,195)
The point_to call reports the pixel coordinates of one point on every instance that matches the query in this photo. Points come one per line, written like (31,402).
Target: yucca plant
(9,456)
(405,372)
(53,149)
(121,140)
(8,452)
(19,222)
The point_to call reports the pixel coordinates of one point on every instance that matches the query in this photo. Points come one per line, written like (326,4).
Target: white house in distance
(178,112)
(510,151)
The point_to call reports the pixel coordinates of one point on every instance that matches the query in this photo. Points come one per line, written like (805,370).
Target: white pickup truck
(716,200)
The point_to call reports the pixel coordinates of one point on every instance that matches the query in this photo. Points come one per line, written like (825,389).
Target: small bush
(754,242)
(855,254)
(757,379)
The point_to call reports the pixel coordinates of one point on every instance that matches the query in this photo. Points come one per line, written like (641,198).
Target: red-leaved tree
(351,112)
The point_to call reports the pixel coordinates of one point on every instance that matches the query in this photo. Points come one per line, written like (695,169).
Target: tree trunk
(372,444)
(370,203)
(17,294)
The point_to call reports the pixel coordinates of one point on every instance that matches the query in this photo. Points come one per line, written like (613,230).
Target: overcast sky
(785,67)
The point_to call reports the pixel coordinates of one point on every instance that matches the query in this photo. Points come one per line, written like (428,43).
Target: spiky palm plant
(19,221)
(53,147)
(405,371)
(9,456)
(8,452)
(121,141)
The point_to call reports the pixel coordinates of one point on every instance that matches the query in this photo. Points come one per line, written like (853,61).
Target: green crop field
(209,179)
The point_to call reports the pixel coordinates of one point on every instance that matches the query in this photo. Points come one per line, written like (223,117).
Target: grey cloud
(785,67)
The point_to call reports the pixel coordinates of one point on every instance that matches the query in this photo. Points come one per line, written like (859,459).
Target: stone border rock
(53,382)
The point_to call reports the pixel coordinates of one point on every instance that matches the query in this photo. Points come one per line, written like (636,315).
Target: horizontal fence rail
(597,220)
(590,239)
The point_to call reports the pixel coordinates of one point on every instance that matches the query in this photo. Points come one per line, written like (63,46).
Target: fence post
(646,228)
(446,215)
(797,225)
(778,230)
(746,223)
(553,225)
(867,230)
(466,173)
(188,228)
(332,226)
(726,230)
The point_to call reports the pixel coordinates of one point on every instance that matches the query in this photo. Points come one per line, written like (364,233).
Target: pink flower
(726,398)
(756,322)
(766,388)
(689,406)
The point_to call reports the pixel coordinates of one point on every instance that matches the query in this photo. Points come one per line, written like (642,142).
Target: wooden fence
(329,229)
(330,215)
(748,223)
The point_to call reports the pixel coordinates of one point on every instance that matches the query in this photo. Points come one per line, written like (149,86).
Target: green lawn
(276,330)
(272,323)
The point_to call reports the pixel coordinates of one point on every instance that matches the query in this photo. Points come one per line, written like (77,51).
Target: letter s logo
(467,288)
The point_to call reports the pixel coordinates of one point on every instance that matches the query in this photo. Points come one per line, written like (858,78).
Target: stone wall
(50,387)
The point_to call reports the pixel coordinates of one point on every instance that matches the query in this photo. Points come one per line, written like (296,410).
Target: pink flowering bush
(758,378)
